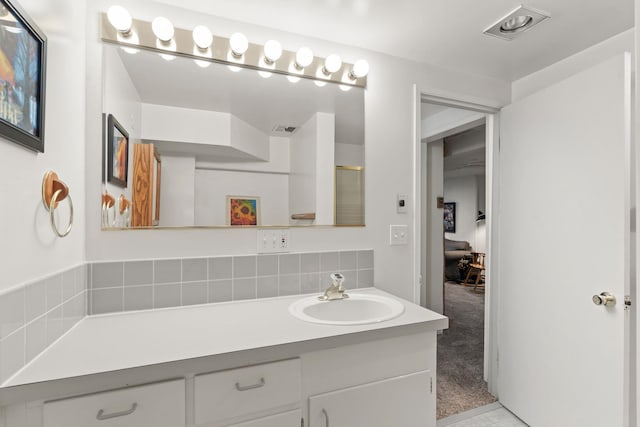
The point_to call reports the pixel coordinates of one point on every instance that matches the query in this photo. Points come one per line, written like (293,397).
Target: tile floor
(496,416)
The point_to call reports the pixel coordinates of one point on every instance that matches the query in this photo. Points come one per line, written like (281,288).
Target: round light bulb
(202,37)
(239,44)
(360,69)
(344,88)
(332,64)
(167,57)
(162,28)
(293,79)
(201,63)
(304,57)
(272,51)
(119,18)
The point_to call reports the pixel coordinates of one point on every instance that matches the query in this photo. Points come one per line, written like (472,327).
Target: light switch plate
(398,235)
(401,204)
(273,240)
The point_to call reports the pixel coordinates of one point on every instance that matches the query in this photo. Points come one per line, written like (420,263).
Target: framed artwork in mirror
(450,217)
(117,152)
(23,53)
(243,210)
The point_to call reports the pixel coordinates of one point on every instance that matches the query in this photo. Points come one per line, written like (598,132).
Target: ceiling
(447,33)
(261,102)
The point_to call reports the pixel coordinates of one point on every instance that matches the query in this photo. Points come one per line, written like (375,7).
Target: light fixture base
(516,23)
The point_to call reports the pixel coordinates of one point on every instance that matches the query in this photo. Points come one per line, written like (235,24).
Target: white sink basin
(358,309)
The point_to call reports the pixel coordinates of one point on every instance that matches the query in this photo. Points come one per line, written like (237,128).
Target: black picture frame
(117,153)
(449,217)
(23,80)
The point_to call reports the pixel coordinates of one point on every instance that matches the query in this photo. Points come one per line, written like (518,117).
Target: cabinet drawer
(223,395)
(157,405)
(285,419)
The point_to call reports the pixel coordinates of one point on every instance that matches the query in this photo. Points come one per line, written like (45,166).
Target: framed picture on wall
(23,53)
(450,217)
(243,210)
(117,153)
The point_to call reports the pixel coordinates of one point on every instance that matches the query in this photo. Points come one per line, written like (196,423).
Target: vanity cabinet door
(157,405)
(406,401)
(285,419)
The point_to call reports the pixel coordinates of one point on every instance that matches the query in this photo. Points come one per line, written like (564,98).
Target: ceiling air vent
(284,129)
(516,23)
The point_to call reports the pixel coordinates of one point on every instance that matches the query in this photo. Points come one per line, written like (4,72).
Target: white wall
(123,102)
(432,263)
(303,164)
(349,155)
(177,191)
(464,192)
(29,249)
(389,98)
(325,168)
(213,186)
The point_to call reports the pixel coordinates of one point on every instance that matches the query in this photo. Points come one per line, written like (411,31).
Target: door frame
(492,141)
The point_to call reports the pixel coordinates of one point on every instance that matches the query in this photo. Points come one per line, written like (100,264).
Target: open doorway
(454,234)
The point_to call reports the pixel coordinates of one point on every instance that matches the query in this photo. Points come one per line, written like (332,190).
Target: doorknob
(605,298)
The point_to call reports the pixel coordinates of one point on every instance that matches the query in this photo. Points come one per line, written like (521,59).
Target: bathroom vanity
(247,363)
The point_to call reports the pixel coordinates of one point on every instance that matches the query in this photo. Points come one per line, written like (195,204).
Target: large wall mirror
(228,138)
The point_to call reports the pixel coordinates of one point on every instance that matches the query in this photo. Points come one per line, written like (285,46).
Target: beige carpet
(460,353)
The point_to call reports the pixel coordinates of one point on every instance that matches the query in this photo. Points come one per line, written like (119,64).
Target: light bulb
(239,44)
(167,57)
(201,63)
(162,28)
(120,19)
(332,64)
(360,69)
(304,57)
(344,88)
(293,79)
(202,37)
(272,51)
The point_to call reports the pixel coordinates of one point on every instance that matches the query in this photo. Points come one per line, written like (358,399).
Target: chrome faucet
(335,290)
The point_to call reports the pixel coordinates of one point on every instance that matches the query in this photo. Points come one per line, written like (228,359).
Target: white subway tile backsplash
(106,300)
(54,291)
(267,286)
(289,284)
(309,263)
(220,290)
(244,266)
(138,273)
(309,283)
(12,312)
(36,300)
(244,288)
(267,265)
(138,297)
(12,353)
(107,275)
(289,264)
(348,260)
(194,270)
(168,295)
(194,293)
(329,261)
(365,278)
(220,268)
(34,315)
(365,259)
(167,271)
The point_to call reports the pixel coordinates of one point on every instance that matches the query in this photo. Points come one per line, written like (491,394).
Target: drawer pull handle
(326,417)
(249,387)
(101,415)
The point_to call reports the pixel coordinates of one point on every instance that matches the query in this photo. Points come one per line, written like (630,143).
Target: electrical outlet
(398,235)
(273,240)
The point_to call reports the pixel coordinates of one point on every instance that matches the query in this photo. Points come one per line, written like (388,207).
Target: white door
(563,237)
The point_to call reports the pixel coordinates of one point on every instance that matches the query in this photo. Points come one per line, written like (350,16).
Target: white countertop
(113,342)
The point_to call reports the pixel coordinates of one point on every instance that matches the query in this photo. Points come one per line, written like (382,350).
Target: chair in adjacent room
(476,266)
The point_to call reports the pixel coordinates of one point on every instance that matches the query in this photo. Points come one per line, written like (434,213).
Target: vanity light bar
(141,36)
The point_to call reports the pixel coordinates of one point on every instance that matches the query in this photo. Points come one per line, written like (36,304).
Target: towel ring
(53,192)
